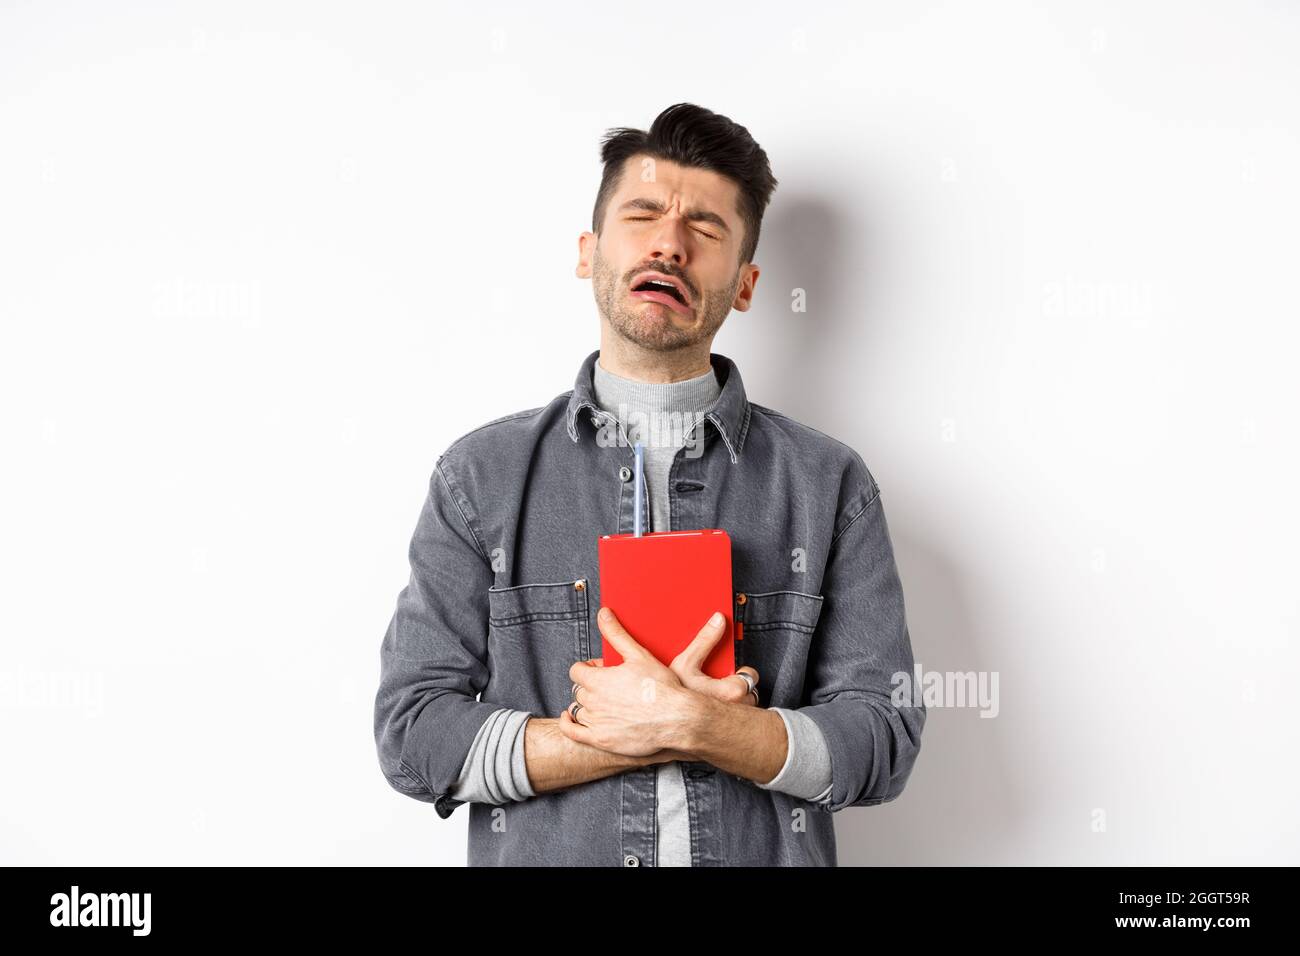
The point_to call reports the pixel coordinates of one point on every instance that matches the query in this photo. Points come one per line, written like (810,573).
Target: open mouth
(661,290)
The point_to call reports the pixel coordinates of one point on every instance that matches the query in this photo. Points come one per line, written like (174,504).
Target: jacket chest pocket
(536,632)
(776,633)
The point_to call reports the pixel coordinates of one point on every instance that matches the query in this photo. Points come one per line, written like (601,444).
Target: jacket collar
(729,414)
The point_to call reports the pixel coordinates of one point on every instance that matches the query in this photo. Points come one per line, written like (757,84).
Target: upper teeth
(666,285)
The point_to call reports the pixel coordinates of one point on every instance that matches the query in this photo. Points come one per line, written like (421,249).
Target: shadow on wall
(958,807)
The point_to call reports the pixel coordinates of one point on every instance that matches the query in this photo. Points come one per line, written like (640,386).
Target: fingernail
(604,614)
(716,620)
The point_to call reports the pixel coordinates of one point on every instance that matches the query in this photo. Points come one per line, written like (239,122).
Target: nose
(668,255)
(668,242)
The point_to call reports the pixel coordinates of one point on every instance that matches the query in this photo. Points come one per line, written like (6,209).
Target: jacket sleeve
(860,664)
(433,659)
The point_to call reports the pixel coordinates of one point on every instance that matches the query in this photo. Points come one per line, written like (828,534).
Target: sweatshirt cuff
(494,770)
(807,770)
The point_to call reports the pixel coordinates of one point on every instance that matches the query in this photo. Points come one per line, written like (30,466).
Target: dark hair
(690,135)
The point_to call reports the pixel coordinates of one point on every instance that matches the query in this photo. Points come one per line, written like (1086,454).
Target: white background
(261,262)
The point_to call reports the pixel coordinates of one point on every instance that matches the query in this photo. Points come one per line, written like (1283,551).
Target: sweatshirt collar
(729,414)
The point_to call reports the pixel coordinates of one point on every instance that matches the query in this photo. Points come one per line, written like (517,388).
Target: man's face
(676,225)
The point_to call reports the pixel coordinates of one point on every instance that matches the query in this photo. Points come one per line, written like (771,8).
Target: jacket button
(625,473)
(740,597)
(580,585)
(631,860)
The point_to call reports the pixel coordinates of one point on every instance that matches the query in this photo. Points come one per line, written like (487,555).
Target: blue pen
(638,489)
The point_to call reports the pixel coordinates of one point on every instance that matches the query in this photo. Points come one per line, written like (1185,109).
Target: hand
(637,708)
(689,668)
(659,756)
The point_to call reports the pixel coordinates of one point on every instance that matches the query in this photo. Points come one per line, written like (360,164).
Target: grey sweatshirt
(495,771)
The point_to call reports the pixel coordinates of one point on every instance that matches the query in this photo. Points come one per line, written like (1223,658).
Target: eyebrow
(694,215)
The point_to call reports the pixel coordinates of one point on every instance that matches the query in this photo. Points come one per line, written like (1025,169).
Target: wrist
(695,713)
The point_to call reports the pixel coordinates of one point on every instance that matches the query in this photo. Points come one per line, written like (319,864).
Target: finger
(616,634)
(567,717)
(580,672)
(743,695)
(697,651)
(574,730)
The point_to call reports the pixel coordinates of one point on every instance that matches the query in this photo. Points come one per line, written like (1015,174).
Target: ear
(586,249)
(745,291)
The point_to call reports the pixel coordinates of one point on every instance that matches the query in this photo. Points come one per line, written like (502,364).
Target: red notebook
(663,586)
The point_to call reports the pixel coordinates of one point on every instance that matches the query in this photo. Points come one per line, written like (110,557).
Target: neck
(629,360)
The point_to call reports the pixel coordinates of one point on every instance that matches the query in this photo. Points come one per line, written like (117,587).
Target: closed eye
(706,235)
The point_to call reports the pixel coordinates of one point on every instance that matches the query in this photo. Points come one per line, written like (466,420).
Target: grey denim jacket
(504,589)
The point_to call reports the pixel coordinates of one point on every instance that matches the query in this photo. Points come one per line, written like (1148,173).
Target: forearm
(555,761)
(747,741)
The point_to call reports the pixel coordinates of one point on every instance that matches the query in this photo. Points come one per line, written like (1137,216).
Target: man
(492,690)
